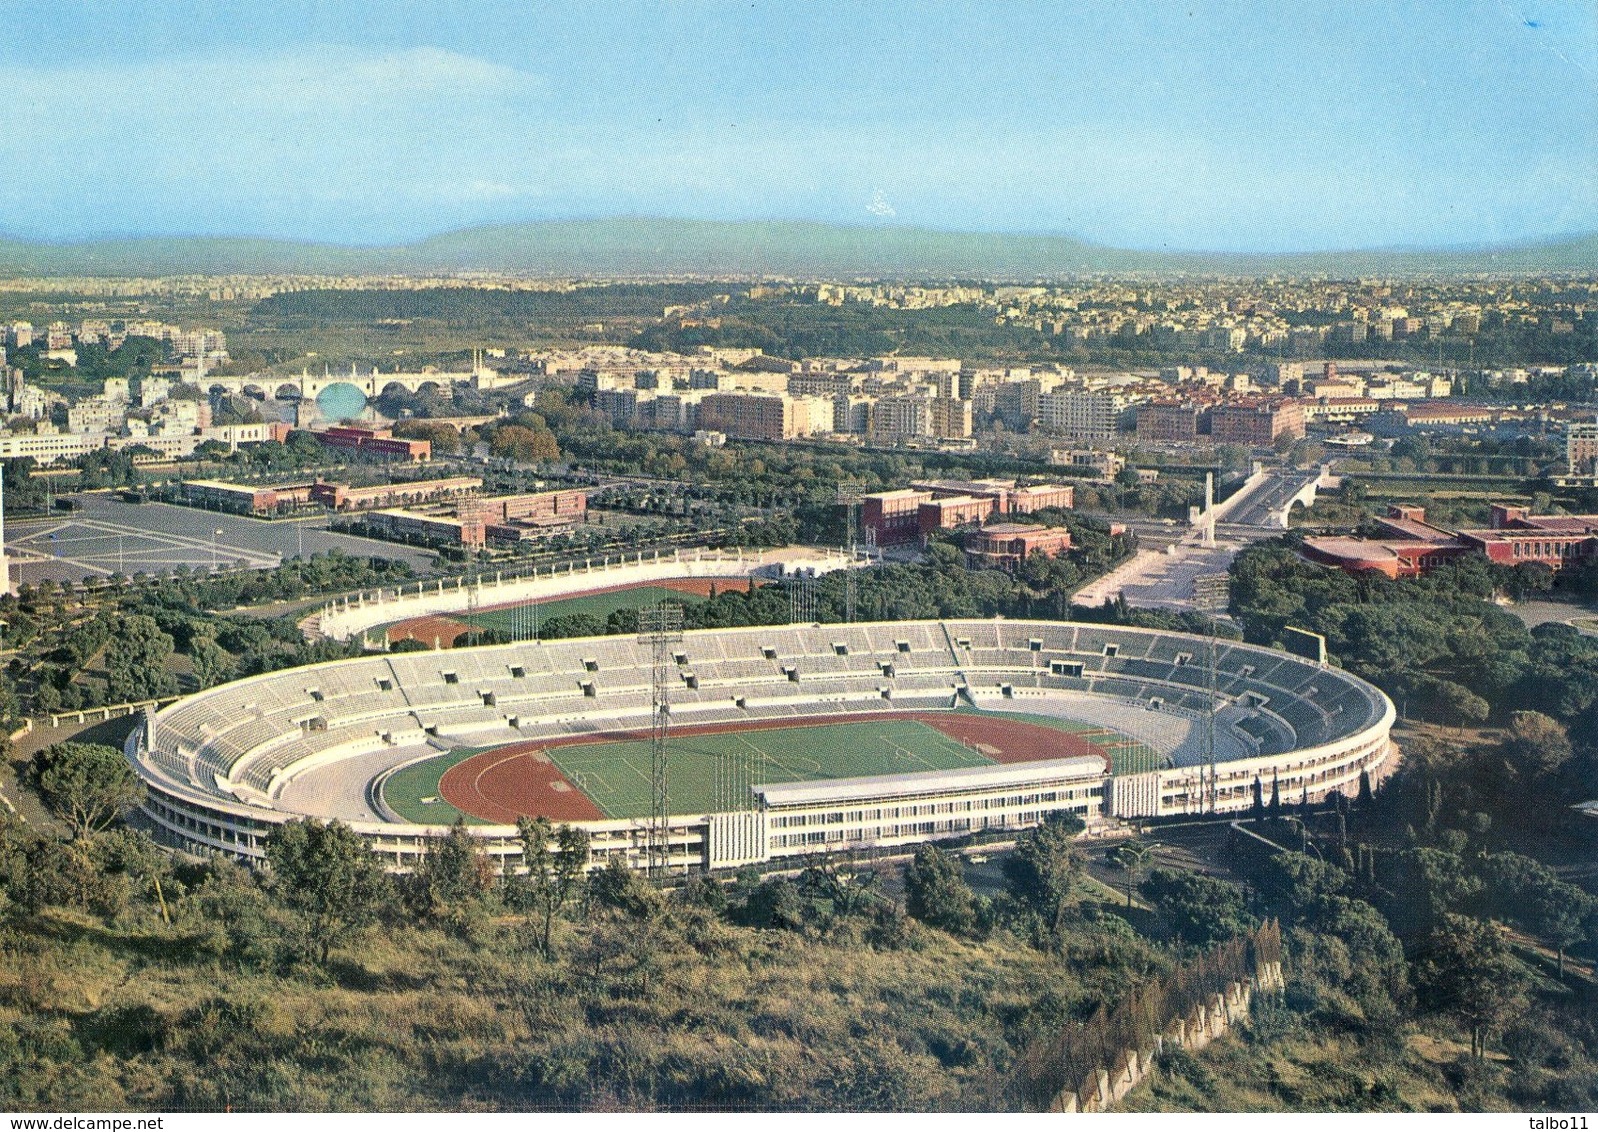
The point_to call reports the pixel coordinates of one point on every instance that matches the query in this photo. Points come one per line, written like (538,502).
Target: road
(1261,505)
(1162,574)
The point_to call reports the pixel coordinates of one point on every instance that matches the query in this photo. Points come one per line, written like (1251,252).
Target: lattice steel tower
(802,599)
(1210,596)
(849,496)
(659,627)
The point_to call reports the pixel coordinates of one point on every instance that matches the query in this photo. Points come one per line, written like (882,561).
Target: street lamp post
(214,534)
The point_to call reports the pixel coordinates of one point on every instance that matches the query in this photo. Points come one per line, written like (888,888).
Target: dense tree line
(1437,644)
(121,643)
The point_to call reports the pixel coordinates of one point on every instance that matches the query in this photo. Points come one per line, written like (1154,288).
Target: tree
(211,662)
(553,878)
(1465,969)
(936,892)
(618,887)
(86,785)
(453,876)
(325,873)
(1040,870)
(1201,910)
(524,445)
(1463,704)
(1536,746)
(136,660)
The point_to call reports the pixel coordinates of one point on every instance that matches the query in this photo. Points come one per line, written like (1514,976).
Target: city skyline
(1209,127)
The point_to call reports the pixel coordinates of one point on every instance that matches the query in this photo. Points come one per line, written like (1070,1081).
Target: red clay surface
(432,630)
(445,629)
(504,784)
(510,782)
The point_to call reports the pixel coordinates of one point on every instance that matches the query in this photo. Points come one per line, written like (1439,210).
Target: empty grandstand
(523,728)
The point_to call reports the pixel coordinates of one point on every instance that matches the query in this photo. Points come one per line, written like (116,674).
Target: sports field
(712,768)
(518,618)
(517,621)
(1126,754)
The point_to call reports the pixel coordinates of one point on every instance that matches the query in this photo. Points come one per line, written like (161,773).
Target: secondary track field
(441,630)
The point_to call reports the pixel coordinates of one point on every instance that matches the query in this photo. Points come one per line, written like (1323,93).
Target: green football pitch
(701,770)
(707,772)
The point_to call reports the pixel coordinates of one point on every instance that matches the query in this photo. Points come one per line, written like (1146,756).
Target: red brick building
(952,511)
(933,505)
(342,497)
(380,441)
(1256,422)
(1168,422)
(1004,546)
(1409,546)
(513,518)
(891,516)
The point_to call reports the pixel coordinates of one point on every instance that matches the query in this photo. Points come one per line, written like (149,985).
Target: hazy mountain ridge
(634,246)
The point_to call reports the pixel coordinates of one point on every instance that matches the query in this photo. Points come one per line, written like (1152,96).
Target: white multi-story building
(1088,414)
(95,414)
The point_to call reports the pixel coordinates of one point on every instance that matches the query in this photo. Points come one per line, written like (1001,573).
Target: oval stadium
(782,741)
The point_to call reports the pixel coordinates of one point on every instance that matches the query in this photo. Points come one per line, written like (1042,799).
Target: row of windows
(930,809)
(870,834)
(1547,549)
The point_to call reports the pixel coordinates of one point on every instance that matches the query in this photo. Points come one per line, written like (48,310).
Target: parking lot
(108,536)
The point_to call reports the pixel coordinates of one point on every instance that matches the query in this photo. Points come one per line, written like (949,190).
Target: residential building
(1581,448)
(1106,464)
(1168,422)
(753,416)
(1085,414)
(1256,422)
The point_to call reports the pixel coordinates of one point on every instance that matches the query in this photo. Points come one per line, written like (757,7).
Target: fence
(1089,1066)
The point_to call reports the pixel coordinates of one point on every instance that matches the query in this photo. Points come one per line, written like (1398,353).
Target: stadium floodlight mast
(659,627)
(802,598)
(849,496)
(1211,595)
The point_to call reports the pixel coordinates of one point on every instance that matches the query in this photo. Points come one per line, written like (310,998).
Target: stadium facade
(225,766)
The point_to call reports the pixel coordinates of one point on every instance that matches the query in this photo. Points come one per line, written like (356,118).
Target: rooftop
(925,782)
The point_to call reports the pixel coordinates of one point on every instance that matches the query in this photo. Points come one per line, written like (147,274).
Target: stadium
(783,741)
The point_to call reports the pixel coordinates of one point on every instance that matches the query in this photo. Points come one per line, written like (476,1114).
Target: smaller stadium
(520,620)
(782,741)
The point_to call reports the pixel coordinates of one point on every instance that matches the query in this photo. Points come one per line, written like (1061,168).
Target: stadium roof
(927,781)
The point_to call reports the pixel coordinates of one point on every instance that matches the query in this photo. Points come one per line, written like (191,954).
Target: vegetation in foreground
(131,980)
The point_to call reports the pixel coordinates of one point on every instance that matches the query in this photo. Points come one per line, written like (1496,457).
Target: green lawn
(517,621)
(708,772)
(404,790)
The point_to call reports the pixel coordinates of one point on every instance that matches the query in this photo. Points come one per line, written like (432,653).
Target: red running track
(510,782)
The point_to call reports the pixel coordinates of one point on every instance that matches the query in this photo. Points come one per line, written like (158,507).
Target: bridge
(307,386)
(1267,498)
(1165,575)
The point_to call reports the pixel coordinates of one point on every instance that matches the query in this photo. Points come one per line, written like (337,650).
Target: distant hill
(634,246)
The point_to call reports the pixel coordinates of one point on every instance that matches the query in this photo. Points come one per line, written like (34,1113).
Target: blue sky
(1196,125)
